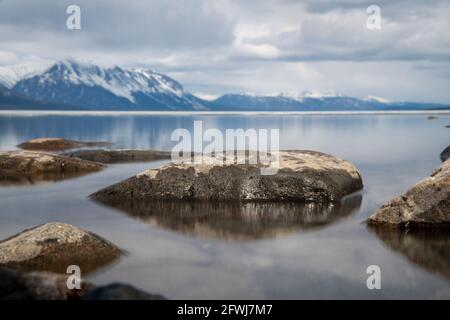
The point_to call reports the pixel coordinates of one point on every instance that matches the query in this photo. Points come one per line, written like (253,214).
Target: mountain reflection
(236,221)
(428,248)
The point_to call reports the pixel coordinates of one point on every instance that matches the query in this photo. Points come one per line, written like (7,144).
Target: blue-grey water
(205,261)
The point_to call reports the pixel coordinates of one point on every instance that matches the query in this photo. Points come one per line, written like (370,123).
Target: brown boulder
(30,167)
(302,176)
(59,144)
(54,247)
(425,204)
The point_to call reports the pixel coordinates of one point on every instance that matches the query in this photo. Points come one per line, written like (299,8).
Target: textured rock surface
(117,156)
(29,167)
(445,154)
(426,203)
(55,246)
(58,144)
(37,286)
(302,176)
(119,291)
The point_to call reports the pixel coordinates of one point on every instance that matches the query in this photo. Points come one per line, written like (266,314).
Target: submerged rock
(235,221)
(30,167)
(117,156)
(445,154)
(302,176)
(426,203)
(119,291)
(37,286)
(54,246)
(59,144)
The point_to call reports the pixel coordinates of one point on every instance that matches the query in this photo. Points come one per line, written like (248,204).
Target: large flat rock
(59,144)
(425,204)
(55,246)
(302,176)
(30,166)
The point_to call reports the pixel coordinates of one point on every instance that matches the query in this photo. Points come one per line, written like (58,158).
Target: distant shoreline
(213,113)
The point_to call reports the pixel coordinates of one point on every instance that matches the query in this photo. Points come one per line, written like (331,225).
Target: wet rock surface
(59,144)
(302,176)
(22,167)
(425,204)
(235,221)
(118,156)
(54,246)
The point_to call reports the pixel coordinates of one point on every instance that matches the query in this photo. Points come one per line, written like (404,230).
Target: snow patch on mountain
(10,75)
(300,96)
(377,99)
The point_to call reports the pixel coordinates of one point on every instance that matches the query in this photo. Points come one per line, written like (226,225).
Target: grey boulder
(302,176)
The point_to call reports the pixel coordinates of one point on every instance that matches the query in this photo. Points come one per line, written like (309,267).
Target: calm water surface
(252,251)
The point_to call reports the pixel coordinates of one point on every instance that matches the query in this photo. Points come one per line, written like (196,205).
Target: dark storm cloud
(118,25)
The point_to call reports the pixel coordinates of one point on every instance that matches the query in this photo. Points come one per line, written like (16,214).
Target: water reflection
(236,221)
(428,248)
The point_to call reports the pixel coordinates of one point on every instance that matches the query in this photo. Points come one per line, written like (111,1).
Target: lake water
(252,251)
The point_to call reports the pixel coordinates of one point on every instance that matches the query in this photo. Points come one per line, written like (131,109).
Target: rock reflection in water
(428,248)
(234,220)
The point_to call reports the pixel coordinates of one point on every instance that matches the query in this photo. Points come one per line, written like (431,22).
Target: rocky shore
(306,176)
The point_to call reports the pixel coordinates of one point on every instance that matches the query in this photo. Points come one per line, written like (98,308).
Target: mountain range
(71,85)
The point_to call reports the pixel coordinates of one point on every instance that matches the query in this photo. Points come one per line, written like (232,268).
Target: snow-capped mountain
(309,101)
(94,87)
(71,85)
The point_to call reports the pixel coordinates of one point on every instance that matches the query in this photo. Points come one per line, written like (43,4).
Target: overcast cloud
(218,46)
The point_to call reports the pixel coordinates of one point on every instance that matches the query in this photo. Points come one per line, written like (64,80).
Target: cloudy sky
(218,46)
